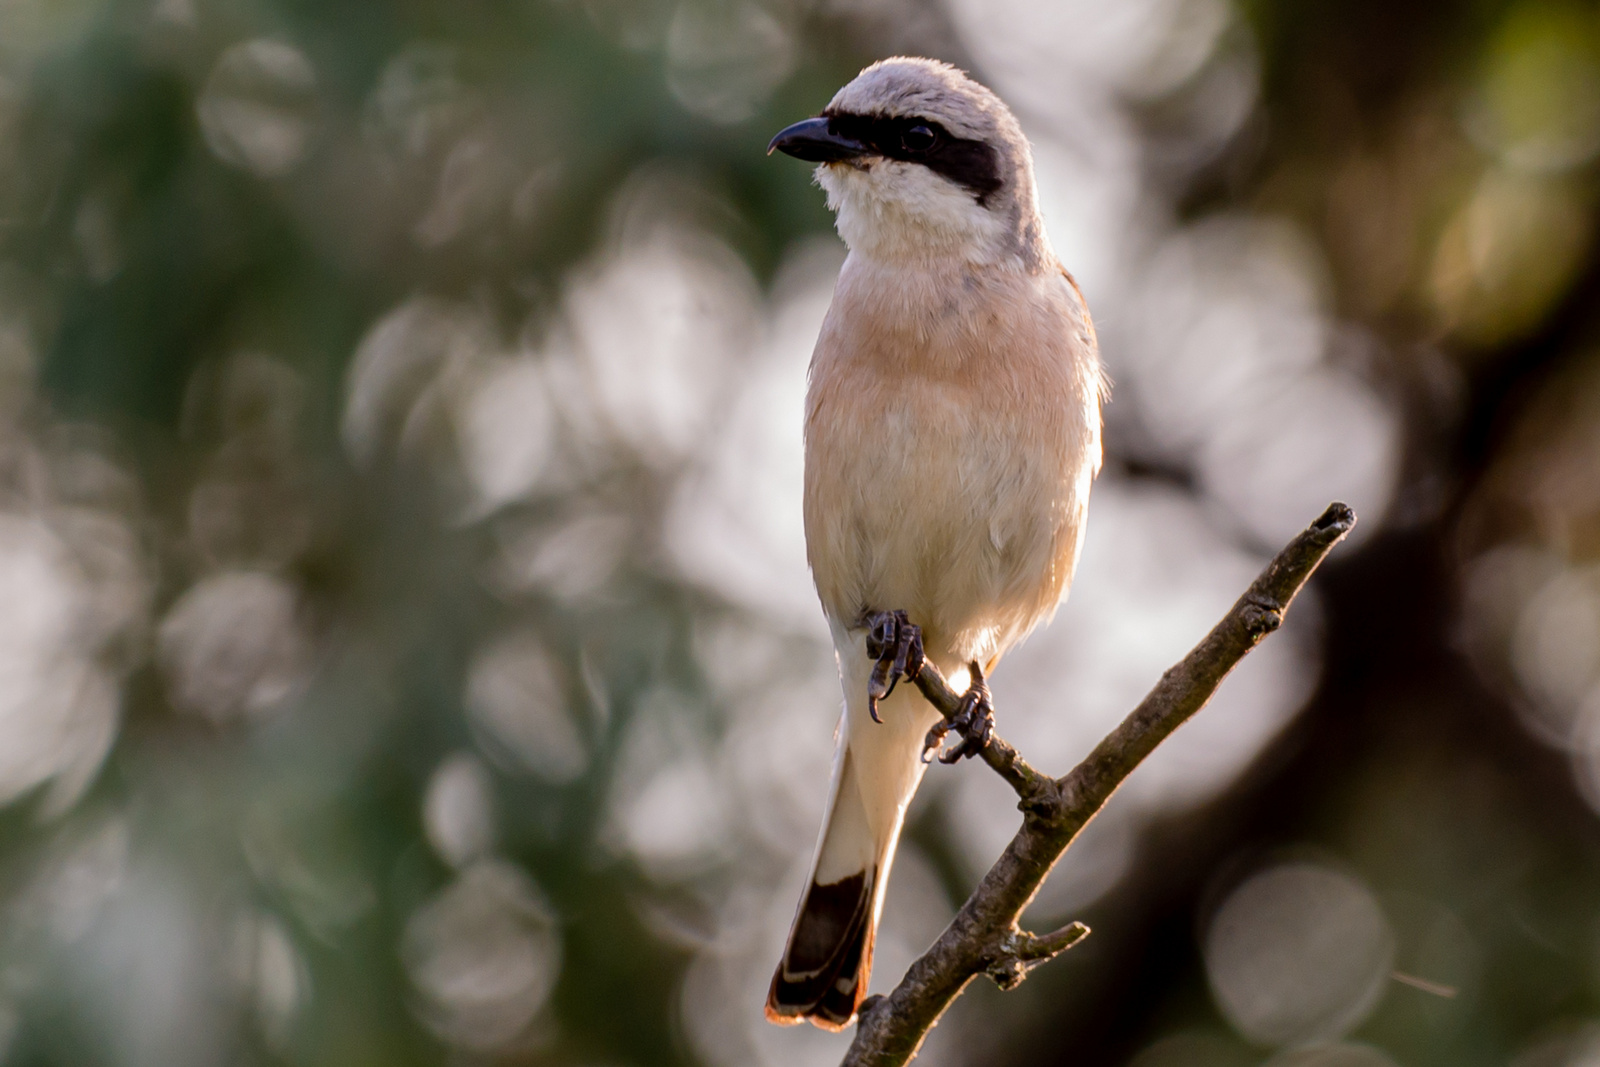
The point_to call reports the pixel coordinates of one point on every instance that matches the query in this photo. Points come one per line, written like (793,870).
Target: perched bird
(952,433)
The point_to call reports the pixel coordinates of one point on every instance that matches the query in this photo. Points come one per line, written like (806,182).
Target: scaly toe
(975,721)
(896,645)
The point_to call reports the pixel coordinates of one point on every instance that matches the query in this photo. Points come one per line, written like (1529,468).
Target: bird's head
(919,161)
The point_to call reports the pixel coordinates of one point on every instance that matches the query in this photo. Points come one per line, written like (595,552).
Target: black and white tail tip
(823,974)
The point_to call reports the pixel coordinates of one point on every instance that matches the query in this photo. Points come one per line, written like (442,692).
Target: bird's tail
(826,965)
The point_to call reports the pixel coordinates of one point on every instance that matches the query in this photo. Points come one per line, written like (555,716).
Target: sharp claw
(878,682)
(896,645)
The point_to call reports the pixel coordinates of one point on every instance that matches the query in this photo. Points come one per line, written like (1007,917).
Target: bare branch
(984,937)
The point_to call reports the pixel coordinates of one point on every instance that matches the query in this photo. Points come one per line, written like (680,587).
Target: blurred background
(407,654)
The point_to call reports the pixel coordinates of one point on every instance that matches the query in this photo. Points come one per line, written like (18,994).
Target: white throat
(903,212)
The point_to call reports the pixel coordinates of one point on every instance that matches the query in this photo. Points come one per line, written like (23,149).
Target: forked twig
(984,937)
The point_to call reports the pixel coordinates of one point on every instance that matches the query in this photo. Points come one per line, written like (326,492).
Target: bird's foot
(897,646)
(974,722)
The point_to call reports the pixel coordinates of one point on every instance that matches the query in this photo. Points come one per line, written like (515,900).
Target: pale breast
(952,433)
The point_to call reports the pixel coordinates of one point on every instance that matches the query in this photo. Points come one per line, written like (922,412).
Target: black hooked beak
(812,141)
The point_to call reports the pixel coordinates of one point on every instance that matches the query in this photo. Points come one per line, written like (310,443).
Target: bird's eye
(918,139)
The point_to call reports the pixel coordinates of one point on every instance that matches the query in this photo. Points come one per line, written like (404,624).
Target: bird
(952,435)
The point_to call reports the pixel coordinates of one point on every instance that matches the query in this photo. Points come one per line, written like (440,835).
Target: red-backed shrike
(952,433)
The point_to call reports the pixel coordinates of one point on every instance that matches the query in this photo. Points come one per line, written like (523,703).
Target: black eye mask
(973,165)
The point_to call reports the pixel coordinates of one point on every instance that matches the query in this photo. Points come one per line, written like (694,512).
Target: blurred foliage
(264,798)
